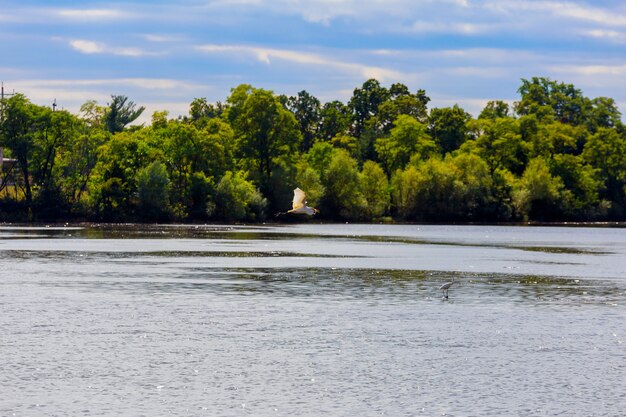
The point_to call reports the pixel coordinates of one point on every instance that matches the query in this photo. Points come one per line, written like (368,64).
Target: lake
(311,320)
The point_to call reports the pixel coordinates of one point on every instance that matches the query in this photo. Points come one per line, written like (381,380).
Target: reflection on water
(312,320)
(363,284)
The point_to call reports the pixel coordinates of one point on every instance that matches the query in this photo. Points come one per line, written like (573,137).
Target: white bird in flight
(299,204)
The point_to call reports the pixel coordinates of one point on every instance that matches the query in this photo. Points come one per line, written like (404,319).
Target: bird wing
(299,198)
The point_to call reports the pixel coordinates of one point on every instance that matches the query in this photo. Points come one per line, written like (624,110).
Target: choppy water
(310,320)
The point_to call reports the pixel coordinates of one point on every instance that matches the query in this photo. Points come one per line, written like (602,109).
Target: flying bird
(299,204)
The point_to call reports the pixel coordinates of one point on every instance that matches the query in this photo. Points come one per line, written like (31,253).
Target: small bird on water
(445,287)
(299,204)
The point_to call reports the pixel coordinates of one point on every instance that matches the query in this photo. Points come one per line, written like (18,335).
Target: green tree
(404,186)
(307,178)
(536,196)
(495,109)
(113,182)
(604,113)
(77,162)
(200,192)
(473,186)
(121,112)
(499,142)
(407,138)
(153,188)
(59,130)
(349,143)
(319,157)
(93,114)
(307,111)
(504,183)
(402,102)
(606,151)
(580,197)
(374,187)
(343,198)
(159,119)
(195,156)
(237,199)
(200,110)
(364,103)
(335,120)
(22,128)
(447,127)
(265,130)
(456,188)
(552,138)
(548,99)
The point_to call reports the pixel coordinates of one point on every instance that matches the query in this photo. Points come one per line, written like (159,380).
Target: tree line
(554,155)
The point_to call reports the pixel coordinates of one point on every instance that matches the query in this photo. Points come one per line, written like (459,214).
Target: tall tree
(121,112)
(407,138)
(499,142)
(93,114)
(200,110)
(21,128)
(604,113)
(343,198)
(374,187)
(306,108)
(264,130)
(606,151)
(447,126)
(113,183)
(547,98)
(402,102)
(335,120)
(152,190)
(495,109)
(238,199)
(536,196)
(580,198)
(364,103)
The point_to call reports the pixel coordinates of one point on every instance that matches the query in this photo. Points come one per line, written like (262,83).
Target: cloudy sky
(163,54)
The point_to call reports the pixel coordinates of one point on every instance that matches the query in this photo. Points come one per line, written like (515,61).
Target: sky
(163,54)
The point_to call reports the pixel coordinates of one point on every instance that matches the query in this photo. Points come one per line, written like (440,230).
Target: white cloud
(477,71)
(597,79)
(6,18)
(592,70)
(591,14)
(158,38)
(566,9)
(91,47)
(92,14)
(174,109)
(266,55)
(460,28)
(142,83)
(610,35)
(153,93)
(326,11)
(468,57)
(87,47)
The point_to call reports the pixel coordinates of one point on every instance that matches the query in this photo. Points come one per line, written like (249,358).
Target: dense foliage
(555,155)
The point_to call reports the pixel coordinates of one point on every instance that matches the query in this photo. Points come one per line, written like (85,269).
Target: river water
(312,320)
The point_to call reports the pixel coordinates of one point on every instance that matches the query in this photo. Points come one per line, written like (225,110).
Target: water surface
(312,320)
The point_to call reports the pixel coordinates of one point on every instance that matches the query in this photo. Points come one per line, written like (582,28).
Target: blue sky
(163,54)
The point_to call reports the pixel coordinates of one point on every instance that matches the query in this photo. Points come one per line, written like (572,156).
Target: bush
(237,199)
(153,185)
